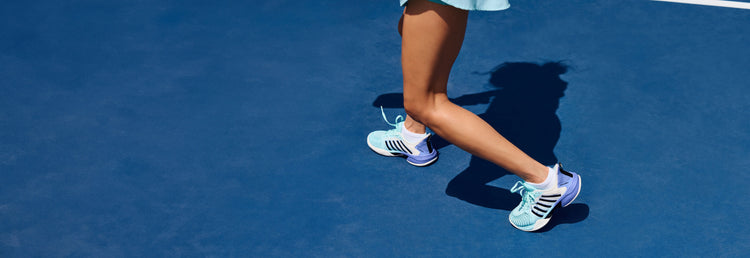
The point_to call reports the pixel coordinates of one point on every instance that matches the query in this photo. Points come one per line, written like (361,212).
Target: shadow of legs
(471,186)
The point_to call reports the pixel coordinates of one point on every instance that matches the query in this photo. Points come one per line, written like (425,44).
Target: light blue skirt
(473,5)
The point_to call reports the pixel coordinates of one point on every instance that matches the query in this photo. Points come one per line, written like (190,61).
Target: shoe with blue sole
(536,207)
(391,143)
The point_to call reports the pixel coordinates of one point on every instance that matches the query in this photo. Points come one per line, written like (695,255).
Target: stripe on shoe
(397,145)
(388,145)
(542,208)
(404,147)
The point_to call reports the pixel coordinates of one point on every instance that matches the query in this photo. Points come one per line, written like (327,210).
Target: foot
(537,205)
(391,143)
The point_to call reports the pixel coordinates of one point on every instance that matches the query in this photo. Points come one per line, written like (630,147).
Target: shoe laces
(526,191)
(398,120)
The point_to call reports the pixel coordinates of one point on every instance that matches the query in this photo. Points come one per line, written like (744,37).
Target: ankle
(539,175)
(550,179)
(412,137)
(414,126)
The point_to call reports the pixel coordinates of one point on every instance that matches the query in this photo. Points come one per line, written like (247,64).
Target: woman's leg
(432,35)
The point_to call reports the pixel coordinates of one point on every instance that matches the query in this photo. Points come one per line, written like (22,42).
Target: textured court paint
(717,3)
(182,128)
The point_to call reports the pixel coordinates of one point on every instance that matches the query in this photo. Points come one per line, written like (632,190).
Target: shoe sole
(389,154)
(543,221)
(424,164)
(537,225)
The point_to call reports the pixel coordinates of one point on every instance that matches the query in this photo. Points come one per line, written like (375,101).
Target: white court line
(719,3)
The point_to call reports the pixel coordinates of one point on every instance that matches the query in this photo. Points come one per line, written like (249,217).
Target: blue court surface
(237,129)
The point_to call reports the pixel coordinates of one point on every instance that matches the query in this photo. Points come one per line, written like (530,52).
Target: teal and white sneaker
(392,144)
(535,209)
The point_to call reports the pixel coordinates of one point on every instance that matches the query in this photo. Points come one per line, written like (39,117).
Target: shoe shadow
(523,109)
(572,214)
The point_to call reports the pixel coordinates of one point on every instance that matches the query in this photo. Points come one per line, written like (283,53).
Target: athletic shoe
(536,206)
(392,144)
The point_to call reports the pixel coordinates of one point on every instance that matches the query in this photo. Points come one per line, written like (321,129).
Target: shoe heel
(578,191)
(422,162)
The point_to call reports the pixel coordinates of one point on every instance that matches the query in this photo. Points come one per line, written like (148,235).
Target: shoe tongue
(529,187)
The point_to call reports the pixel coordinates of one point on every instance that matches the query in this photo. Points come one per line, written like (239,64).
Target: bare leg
(432,35)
